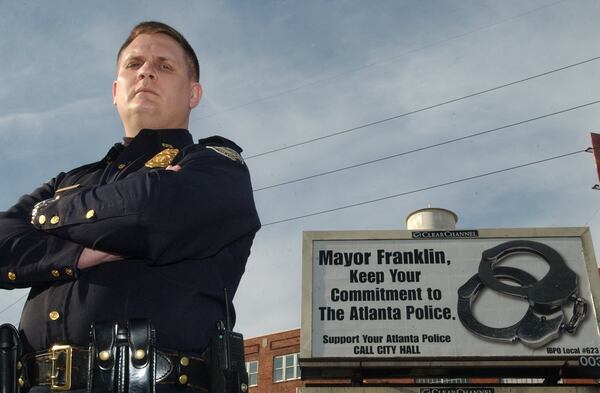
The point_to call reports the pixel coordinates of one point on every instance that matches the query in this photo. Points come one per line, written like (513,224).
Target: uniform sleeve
(161,216)
(29,257)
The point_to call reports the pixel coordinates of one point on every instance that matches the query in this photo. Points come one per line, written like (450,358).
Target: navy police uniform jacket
(184,236)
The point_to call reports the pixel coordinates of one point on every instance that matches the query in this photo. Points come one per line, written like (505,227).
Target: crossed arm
(90,257)
(190,211)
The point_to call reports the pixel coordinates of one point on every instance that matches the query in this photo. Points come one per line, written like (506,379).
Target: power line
(591,217)
(12,304)
(424,147)
(422,189)
(369,65)
(471,95)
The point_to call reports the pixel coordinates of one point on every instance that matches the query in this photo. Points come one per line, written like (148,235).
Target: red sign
(596,149)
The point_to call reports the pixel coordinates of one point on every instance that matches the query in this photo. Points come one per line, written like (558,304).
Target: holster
(10,352)
(122,358)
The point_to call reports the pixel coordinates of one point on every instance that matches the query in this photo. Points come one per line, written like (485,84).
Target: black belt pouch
(142,356)
(10,348)
(103,365)
(122,358)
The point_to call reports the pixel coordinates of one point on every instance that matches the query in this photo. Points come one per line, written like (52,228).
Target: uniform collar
(148,139)
(149,142)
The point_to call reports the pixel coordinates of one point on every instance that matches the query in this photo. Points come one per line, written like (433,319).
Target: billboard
(480,295)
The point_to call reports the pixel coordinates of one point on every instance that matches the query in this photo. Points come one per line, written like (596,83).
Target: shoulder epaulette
(224,147)
(217,140)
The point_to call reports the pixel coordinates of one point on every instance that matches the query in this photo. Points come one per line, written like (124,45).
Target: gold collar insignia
(227,152)
(162,159)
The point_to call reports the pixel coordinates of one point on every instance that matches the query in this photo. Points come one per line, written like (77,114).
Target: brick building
(272,362)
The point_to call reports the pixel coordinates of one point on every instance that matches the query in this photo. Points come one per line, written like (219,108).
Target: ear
(114,92)
(195,94)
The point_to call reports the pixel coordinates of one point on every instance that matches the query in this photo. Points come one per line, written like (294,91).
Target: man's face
(153,87)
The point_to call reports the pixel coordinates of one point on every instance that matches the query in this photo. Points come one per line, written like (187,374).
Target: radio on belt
(228,367)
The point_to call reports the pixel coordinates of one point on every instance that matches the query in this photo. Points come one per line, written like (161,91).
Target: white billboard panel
(449,295)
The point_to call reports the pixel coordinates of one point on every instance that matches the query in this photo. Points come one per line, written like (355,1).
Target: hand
(38,206)
(174,168)
(89,258)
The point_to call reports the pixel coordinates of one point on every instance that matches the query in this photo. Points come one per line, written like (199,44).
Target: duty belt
(65,367)
(544,320)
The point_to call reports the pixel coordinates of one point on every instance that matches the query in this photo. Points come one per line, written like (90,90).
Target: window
(252,370)
(522,380)
(447,381)
(286,367)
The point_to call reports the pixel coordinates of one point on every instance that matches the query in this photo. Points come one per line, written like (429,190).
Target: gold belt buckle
(62,356)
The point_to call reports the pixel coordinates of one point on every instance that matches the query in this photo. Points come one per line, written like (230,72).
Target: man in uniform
(156,229)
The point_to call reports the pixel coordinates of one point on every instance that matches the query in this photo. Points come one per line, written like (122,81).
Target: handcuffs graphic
(544,321)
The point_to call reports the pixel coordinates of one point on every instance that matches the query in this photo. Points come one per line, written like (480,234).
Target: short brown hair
(152,27)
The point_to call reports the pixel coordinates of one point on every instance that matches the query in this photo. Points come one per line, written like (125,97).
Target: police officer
(155,230)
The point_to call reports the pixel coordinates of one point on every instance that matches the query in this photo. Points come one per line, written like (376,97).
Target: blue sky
(276,73)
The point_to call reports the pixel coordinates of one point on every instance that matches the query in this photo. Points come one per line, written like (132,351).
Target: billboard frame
(552,368)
